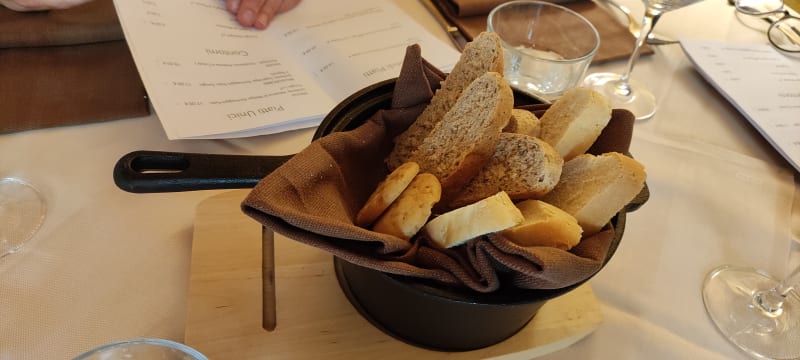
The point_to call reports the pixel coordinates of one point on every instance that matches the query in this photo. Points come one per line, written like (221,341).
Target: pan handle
(158,171)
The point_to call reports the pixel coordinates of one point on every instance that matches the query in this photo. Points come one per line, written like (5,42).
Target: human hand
(36,5)
(257,13)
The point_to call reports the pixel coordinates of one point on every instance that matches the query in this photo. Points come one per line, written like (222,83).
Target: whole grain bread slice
(463,142)
(523,166)
(483,54)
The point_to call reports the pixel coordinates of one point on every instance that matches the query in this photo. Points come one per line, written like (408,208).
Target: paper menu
(762,83)
(209,78)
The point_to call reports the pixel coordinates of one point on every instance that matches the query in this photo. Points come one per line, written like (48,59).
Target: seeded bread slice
(524,122)
(483,54)
(460,145)
(594,188)
(523,166)
(574,121)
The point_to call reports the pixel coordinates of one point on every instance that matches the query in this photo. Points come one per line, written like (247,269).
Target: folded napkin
(314,197)
(616,42)
(65,67)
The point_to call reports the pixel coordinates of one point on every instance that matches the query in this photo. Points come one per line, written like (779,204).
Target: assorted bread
(463,142)
(573,123)
(386,193)
(523,166)
(544,225)
(595,187)
(412,209)
(479,166)
(492,214)
(524,122)
(483,54)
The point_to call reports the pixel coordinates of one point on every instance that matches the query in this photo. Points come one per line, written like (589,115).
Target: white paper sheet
(207,77)
(762,83)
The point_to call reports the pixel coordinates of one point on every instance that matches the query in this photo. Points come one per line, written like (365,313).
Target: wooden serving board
(314,319)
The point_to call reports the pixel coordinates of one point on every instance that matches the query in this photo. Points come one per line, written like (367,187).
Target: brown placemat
(616,42)
(66,67)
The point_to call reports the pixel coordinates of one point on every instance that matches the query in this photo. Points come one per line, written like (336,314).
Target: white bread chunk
(524,122)
(406,215)
(387,192)
(544,225)
(574,121)
(483,54)
(594,188)
(523,166)
(489,215)
(460,145)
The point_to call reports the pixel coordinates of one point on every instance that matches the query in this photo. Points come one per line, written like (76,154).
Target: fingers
(258,13)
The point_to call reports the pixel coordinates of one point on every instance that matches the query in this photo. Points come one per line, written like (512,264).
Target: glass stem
(770,301)
(651,16)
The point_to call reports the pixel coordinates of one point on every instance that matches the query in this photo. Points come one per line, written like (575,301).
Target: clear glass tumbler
(547,47)
(144,349)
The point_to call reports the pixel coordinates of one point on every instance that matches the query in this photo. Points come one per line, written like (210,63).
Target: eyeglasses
(783,29)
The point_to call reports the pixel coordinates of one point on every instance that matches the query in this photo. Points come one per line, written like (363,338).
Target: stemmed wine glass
(755,311)
(622,91)
(22,211)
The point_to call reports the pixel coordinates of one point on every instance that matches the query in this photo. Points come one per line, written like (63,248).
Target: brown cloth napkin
(65,67)
(314,197)
(616,42)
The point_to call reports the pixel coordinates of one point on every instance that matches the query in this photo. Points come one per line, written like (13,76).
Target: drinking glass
(622,91)
(22,212)
(547,48)
(144,349)
(758,313)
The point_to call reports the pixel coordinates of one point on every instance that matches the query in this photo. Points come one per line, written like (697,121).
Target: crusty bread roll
(406,215)
(574,121)
(386,193)
(523,166)
(489,215)
(483,54)
(544,225)
(463,142)
(594,188)
(524,122)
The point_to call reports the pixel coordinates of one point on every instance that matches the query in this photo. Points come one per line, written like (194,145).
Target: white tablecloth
(109,265)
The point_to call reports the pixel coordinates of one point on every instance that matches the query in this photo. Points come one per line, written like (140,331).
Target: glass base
(638,100)
(22,212)
(730,297)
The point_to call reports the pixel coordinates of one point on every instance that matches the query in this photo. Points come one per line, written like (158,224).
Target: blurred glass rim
(509,47)
(167,344)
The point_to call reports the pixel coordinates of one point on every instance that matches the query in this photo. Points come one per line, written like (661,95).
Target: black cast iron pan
(157,171)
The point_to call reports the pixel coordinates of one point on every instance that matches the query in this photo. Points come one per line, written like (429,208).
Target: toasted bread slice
(460,145)
(406,216)
(386,193)
(524,122)
(458,226)
(544,225)
(574,121)
(483,54)
(523,166)
(594,188)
